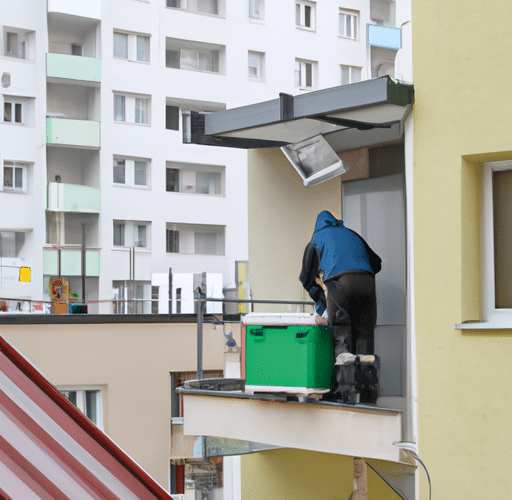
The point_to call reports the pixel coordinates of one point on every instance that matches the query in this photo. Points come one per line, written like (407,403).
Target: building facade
(98,188)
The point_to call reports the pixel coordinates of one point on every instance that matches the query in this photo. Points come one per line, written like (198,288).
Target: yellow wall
(282,216)
(463,116)
(299,474)
(132,362)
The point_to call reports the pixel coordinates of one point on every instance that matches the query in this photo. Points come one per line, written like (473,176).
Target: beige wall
(132,362)
(282,215)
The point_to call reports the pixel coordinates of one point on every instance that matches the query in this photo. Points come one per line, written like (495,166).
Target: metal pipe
(200,339)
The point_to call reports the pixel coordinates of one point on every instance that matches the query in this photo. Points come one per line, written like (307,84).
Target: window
(13,112)
(497,241)
(172,117)
(121,45)
(142,48)
(131,46)
(201,6)
(11,243)
(350,74)
(119,234)
(88,401)
(196,239)
(132,108)
(132,233)
(348,21)
(132,172)
(119,108)
(119,171)
(13,178)
(172,241)
(304,76)
(18,43)
(194,178)
(132,297)
(256,65)
(256,9)
(194,56)
(305,14)
(141,110)
(76,50)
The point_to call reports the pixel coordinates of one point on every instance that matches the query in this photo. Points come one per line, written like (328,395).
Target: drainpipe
(360,480)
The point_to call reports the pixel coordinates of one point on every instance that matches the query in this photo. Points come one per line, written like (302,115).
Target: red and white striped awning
(50,450)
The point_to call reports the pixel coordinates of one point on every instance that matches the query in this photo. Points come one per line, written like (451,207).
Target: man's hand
(320,320)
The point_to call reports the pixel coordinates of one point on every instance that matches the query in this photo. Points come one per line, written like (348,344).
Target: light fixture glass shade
(314,160)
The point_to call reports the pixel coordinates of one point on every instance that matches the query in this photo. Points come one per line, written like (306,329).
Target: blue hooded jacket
(334,249)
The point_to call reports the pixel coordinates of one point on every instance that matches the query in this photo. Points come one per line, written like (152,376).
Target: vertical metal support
(200,337)
(83,262)
(170,290)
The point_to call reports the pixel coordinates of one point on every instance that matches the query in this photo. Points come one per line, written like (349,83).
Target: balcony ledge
(355,430)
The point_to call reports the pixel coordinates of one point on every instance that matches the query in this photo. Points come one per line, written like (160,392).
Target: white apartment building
(97,186)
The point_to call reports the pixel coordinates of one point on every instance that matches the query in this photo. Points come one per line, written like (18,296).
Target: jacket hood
(326,219)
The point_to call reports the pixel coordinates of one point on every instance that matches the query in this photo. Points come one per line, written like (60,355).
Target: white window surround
(209,7)
(89,400)
(13,112)
(497,317)
(305,15)
(131,172)
(132,46)
(130,233)
(14,176)
(195,56)
(256,10)
(256,66)
(132,108)
(348,24)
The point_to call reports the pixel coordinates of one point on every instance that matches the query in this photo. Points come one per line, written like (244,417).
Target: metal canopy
(350,116)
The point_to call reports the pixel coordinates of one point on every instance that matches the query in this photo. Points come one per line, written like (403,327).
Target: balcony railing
(73,67)
(72,198)
(386,37)
(73,133)
(69,262)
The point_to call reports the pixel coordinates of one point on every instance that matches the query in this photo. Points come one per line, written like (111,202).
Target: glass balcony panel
(73,198)
(78,133)
(384,36)
(73,67)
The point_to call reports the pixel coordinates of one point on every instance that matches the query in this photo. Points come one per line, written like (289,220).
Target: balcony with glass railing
(72,133)
(70,67)
(72,198)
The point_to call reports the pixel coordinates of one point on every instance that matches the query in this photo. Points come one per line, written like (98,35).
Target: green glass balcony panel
(73,67)
(71,262)
(77,133)
(73,198)
(92,263)
(90,9)
(50,262)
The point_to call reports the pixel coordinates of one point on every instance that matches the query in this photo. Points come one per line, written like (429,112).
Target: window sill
(485,325)
(348,38)
(305,28)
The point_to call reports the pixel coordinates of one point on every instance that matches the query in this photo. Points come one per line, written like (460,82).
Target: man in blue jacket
(339,260)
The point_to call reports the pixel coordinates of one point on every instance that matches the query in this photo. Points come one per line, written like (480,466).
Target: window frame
(303,80)
(187,236)
(129,164)
(301,17)
(81,397)
(14,165)
(351,71)
(184,171)
(354,24)
(129,111)
(490,313)
(14,106)
(258,8)
(131,48)
(131,234)
(260,68)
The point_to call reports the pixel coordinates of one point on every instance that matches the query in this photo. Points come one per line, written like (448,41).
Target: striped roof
(50,450)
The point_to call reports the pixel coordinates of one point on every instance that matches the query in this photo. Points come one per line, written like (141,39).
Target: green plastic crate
(288,357)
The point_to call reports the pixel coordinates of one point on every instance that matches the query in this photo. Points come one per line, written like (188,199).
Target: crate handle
(257,333)
(301,335)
